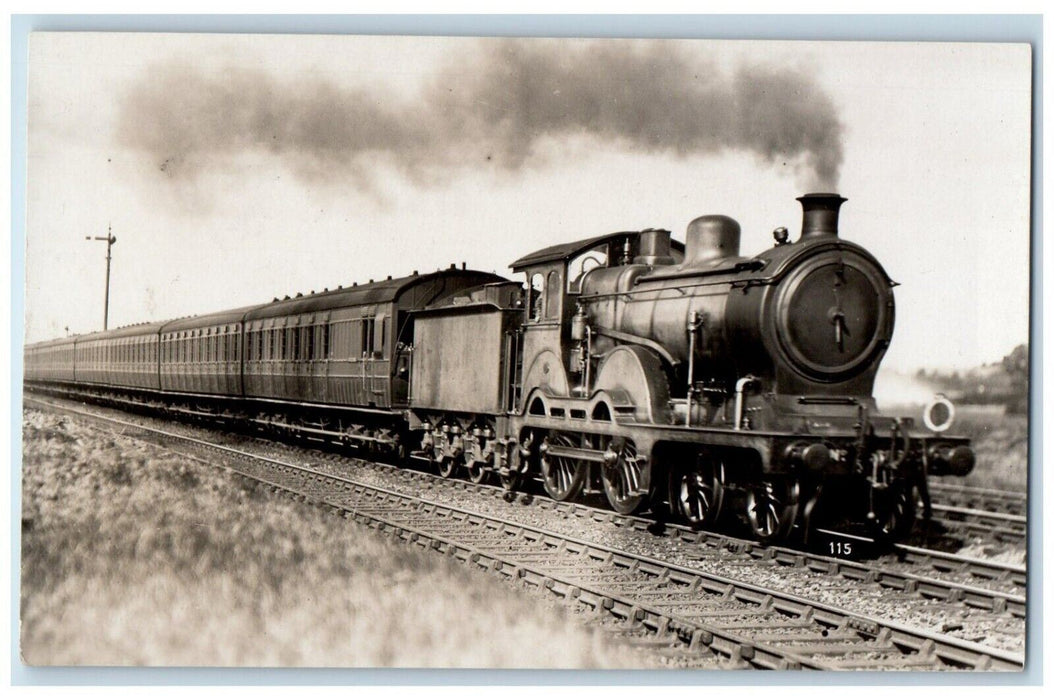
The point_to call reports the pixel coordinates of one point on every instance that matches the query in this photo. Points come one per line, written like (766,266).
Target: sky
(234,169)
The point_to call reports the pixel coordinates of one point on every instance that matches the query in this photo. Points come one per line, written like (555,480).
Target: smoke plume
(501,105)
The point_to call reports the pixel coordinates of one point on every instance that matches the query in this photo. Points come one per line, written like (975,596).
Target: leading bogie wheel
(697,492)
(892,511)
(623,478)
(772,508)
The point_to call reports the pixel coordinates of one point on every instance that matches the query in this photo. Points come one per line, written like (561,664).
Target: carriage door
(402,362)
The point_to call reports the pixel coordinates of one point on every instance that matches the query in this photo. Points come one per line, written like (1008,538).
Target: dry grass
(1001,444)
(133,557)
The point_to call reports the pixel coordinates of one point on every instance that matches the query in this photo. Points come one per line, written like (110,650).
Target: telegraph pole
(110,240)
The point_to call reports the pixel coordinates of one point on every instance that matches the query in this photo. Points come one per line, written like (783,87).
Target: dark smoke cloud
(495,106)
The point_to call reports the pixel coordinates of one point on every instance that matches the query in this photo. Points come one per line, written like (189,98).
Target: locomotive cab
(554,358)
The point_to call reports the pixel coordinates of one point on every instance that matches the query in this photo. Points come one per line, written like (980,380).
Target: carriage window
(324,344)
(367,337)
(384,334)
(535,292)
(309,343)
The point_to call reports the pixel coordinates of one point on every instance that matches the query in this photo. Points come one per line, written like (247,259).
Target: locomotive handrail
(741,266)
(638,340)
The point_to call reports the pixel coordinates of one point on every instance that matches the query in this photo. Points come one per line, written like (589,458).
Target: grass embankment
(131,556)
(1001,444)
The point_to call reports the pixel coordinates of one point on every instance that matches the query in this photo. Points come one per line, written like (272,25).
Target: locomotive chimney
(654,247)
(710,238)
(820,214)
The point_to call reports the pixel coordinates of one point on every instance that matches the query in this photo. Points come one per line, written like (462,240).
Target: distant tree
(1016,363)
(1016,367)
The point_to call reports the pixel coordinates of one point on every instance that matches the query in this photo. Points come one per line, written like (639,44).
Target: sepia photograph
(470,352)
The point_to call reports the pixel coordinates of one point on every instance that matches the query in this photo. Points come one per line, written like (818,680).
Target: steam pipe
(694,324)
(589,355)
(740,386)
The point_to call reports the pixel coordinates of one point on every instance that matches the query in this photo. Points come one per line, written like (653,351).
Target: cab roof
(566,251)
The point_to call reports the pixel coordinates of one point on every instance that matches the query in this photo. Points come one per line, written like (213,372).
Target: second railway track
(977,498)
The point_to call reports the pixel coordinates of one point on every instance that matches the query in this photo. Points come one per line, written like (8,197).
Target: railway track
(1001,527)
(978,583)
(678,611)
(976,498)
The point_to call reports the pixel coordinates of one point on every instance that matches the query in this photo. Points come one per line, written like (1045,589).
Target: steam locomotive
(683,377)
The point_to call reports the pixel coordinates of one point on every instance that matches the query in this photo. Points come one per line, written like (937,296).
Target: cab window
(535,297)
